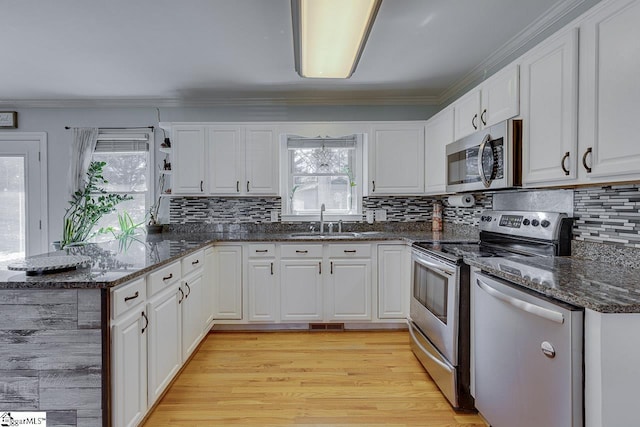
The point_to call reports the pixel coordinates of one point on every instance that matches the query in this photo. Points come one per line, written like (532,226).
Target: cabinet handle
(483,117)
(188,288)
(373,190)
(261,251)
(331,267)
(473,121)
(146,325)
(301,252)
(237,186)
(349,251)
(201,186)
(564,158)
(181,295)
(134,296)
(584,160)
(320,267)
(272,269)
(247,186)
(170,276)
(195,262)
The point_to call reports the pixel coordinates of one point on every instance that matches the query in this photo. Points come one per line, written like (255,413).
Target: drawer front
(192,262)
(166,276)
(128,296)
(301,251)
(350,251)
(265,250)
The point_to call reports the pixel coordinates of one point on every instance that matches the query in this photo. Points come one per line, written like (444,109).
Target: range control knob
(535,222)
(488,218)
(526,222)
(545,223)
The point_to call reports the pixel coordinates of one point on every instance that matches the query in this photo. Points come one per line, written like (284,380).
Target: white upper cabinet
(549,107)
(438,133)
(225,159)
(495,100)
(396,158)
(609,92)
(189,175)
(261,160)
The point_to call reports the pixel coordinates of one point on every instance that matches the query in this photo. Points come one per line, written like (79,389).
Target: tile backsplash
(467,216)
(401,209)
(222,210)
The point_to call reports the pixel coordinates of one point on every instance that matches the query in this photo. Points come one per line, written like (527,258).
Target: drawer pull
(146,325)
(247,186)
(331,267)
(302,252)
(584,159)
(181,295)
(261,251)
(188,288)
(320,267)
(134,296)
(237,186)
(170,276)
(195,262)
(349,251)
(272,269)
(565,157)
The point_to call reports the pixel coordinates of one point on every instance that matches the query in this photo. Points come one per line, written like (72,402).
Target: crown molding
(336,98)
(504,53)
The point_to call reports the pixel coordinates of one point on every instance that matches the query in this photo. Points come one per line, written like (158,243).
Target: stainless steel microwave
(487,159)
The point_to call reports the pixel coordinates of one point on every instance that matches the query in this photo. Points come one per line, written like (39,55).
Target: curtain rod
(136,127)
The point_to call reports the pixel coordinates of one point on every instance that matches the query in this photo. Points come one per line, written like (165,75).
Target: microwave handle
(485,181)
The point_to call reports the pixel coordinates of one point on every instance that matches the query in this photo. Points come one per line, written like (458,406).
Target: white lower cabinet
(393,282)
(301,289)
(348,289)
(192,316)
(165,329)
(209,275)
(263,288)
(227,282)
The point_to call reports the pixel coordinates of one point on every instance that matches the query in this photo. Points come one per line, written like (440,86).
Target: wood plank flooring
(306,379)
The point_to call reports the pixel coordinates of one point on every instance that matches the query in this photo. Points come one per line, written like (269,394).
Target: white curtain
(82,148)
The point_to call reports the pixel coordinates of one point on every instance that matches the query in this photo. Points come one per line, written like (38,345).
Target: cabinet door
(225,160)
(129,369)
(500,97)
(207,288)
(188,160)
(550,110)
(165,329)
(301,289)
(438,133)
(609,92)
(466,114)
(263,290)
(192,318)
(227,286)
(261,160)
(397,159)
(393,282)
(349,289)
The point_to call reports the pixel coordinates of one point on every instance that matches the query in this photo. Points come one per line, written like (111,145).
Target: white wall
(53,120)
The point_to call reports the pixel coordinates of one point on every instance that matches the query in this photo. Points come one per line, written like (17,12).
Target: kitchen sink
(345,235)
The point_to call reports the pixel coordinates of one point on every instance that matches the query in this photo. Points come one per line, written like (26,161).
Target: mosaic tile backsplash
(467,216)
(608,214)
(401,209)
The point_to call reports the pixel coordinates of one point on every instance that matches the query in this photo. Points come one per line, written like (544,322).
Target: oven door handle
(424,350)
(432,265)
(486,182)
(536,310)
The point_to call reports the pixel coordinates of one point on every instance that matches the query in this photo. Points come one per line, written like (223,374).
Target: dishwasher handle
(536,310)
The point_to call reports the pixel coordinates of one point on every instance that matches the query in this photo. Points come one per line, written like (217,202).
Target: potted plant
(87,206)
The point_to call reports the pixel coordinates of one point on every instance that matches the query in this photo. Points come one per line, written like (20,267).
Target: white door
(261,160)
(301,289)
(349,289)
(467,118)
(263,290)
(192,318)
(209,277)
(189,155)
(550,110)
(23,195)
(500,97)
(438,133)
(227,283)
(226,160)
(165,357)
(393,282)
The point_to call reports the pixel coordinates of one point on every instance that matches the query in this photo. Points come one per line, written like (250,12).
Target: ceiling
(195,52)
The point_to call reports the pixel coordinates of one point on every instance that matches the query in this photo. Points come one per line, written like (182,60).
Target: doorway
(23,195)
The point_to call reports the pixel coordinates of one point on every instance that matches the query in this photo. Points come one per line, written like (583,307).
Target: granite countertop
(594,285)
(116,262)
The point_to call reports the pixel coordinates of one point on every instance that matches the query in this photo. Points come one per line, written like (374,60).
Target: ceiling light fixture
(329,35)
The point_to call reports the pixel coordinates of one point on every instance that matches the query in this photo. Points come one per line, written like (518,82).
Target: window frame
(286,183)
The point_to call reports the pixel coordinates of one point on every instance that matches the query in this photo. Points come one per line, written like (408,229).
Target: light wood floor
(306,379)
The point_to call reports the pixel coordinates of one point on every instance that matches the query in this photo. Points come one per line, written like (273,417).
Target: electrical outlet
(369,216)
(381,214)
(274,216)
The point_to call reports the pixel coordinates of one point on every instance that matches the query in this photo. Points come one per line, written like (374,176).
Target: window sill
(327,218)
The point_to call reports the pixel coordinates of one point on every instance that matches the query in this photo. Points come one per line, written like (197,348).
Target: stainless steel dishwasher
(528,356)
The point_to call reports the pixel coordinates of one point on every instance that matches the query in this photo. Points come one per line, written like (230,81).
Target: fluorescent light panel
(331,35)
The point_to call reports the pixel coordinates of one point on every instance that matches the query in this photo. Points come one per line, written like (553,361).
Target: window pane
(135,208)
(321,160)
(124,171)
(12,209)
(312,191)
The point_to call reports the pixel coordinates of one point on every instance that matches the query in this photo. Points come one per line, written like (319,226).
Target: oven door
(434,302)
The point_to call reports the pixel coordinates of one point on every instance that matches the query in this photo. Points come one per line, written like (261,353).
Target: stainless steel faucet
(340,226)
(322,208)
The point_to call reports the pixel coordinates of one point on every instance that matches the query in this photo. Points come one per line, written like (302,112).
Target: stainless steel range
(439,322)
